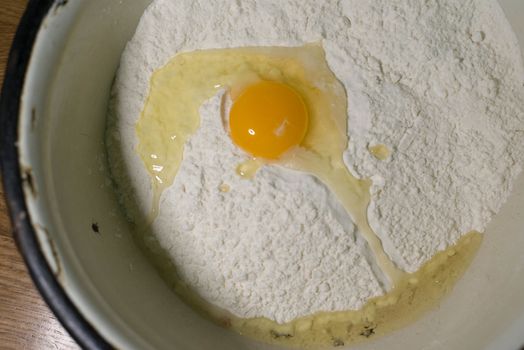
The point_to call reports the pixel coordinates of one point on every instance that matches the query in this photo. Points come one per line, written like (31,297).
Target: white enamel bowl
(100,285)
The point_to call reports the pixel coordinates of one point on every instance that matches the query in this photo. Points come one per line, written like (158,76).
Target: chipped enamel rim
(23,229)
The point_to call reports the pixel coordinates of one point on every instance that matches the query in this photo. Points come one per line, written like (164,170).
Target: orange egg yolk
(267,119)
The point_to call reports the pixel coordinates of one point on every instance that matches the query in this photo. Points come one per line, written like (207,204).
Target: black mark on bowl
(27,178)
(58,5)
(33,119)
(54,252)
(368,331)
(95,227)
(337,342)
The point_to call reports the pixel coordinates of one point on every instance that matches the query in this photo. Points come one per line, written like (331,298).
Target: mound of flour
(279,246)
(442,88)
(439,83)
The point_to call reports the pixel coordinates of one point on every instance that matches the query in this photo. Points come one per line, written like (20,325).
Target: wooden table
(25,320)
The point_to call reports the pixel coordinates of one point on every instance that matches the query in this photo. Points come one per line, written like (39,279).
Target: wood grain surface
(25,320)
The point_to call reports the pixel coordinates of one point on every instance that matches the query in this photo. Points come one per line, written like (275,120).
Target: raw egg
(267,119)
(287,108)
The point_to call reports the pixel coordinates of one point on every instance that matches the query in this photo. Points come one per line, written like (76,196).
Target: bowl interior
(62,125)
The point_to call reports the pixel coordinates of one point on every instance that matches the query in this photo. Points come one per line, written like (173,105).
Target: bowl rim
(22,227)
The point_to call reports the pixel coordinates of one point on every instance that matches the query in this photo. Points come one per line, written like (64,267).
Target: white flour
(440,83)
(281,239)
(444,86)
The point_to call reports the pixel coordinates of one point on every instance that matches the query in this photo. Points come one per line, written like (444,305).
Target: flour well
(277,240)
(440,85)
